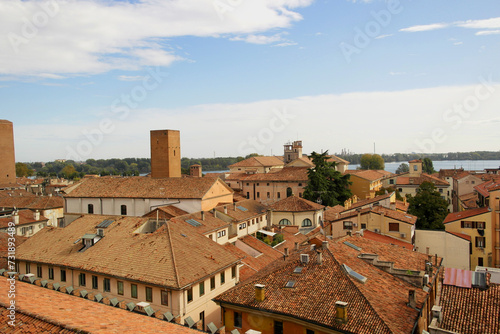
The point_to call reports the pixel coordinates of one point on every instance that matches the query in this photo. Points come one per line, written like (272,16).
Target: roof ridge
(173,255)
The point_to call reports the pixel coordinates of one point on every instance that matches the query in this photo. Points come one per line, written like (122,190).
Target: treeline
(404,157)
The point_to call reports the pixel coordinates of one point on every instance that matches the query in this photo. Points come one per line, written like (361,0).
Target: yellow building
(365,183)
(296,211)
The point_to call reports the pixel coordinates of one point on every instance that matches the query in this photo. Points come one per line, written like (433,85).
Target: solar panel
(105,223)
(352,246)
(242,208)
(193,222)
(297,270)
(290,284)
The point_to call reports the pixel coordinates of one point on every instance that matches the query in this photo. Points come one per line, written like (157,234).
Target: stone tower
(293,151)
(165,153)
(7,157)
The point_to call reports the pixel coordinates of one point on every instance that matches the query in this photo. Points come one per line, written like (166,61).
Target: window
(441,190)
(133,290)
(415,168)
(90,208)
(39,270)
(309,331)
(107,285)
(212,282)
(306,222)
(63,275)
(238,319)
(300,184)
(400,190)
(268,184)
(190,295)
(222,278)
(51,273)
(289,192)
(300,195)
(164,297)
(285,221)
(472,224)
(95,283)
(233,272)
(202,288)
(391,181)
(221,233)
(348,225)
(480,242)
(82,279)
(248,195)
(123,210)
(268,194)
(278,327)
(119,287)
(363,226)
(279,195)
(258,194)
(28,269)
(480,261)
(242,226)
(149,294)
(393,227)
(473,182)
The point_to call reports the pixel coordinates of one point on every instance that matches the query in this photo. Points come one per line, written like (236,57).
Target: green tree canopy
(325,184)
(69,172)
(429,207)
(427,166)
(372,161)
(403,168)
(23,170)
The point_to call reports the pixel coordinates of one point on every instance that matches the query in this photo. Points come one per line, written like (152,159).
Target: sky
(90,79)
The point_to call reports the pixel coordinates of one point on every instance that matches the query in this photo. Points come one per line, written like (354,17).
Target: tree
(69,172)
(427,166)
(403,168)
(429,207)
(23,170)
(325,184)
(372,161)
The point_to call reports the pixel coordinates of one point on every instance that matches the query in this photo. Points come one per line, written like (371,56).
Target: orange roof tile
(166,212)
(130,255)
(32,202)
(25,217)
(469,201)
(295,204)
(386,239)
(42,310)
(460,235)
(285,174)
(253,208)
(407,180)
(263,161)
(370,175)
(142,187)
(451,217)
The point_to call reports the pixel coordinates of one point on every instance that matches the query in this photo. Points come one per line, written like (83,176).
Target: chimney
(325,244)
(225,209)
(436,261)
(203,215)
(234,206)
(313,247)
(320,258)
(436,312)
(15,217)
(260,292)
(286,251)
(215,213)
(341,312)
(393,206)
(36,215)
(296,246)
(412,299)
(427,250)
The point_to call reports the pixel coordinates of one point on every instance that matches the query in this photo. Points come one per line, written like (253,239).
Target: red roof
(295,204)
(454,216)
(386,239)
(460,235)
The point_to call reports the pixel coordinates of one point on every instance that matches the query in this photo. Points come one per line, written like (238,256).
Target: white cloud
(458,43)
(384,36)
(487,32)
(131,78)
(493,23)
(69,37)
(258,39)
(427,27)
(425,109)
(397,73)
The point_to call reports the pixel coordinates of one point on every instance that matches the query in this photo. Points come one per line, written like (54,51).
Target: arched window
(288,192)
(123,209)
(285,221)
(90,208)
(306,222)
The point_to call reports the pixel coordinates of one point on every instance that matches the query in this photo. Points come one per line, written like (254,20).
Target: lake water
(447,164)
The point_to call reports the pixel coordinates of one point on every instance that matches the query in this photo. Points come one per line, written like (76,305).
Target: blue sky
(90,79)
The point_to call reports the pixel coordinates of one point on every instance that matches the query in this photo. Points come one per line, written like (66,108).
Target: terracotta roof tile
(126,251)
(402,206)
(252,208)
(25,217)
(332,212)
(295,204)
(16,193)
(451,217)
(42,310)
(297,174)
(460,235)
(32,202)
(371,175)
(386,239)
(142,187)
(484,188)
(369,201)
(470,311)
(401,216)
(264,161)
(166,212)
(469,201)
(407,180)
(208,224)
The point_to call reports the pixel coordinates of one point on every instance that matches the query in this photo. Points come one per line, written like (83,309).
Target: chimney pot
(436,261)
(341,312)
(313,247)
(234,206)
(325,244)
(320,258)
(36,215)
(203,215)
(286,251)
(225,209)
(15,217)
(412,298)
(296,246)
(260,292)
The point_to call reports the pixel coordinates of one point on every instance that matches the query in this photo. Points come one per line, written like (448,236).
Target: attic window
(297,270)
(354,274)
(290,284)
(193,222)
(105,223)
(242,208)
(352,246)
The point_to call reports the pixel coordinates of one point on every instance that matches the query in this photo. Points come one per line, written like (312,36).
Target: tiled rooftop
(407,180)
(460,235)
(386,239)
(32,202)
(369,201)
(470,311)
(143,187)
(370,175)
(16,193)
(130,255)
(453,216)
(47,311)
(484,188)
(208,224)
(166,212)
(291,174)
(253,208)
(372,306)
(295,204)
(265,161)
(332,212)
(25,217)
(469,201)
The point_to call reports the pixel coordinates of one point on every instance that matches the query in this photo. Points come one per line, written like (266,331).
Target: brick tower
(7,157)
(293,151)
(165,153)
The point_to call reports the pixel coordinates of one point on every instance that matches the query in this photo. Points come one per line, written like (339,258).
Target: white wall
(453,250)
